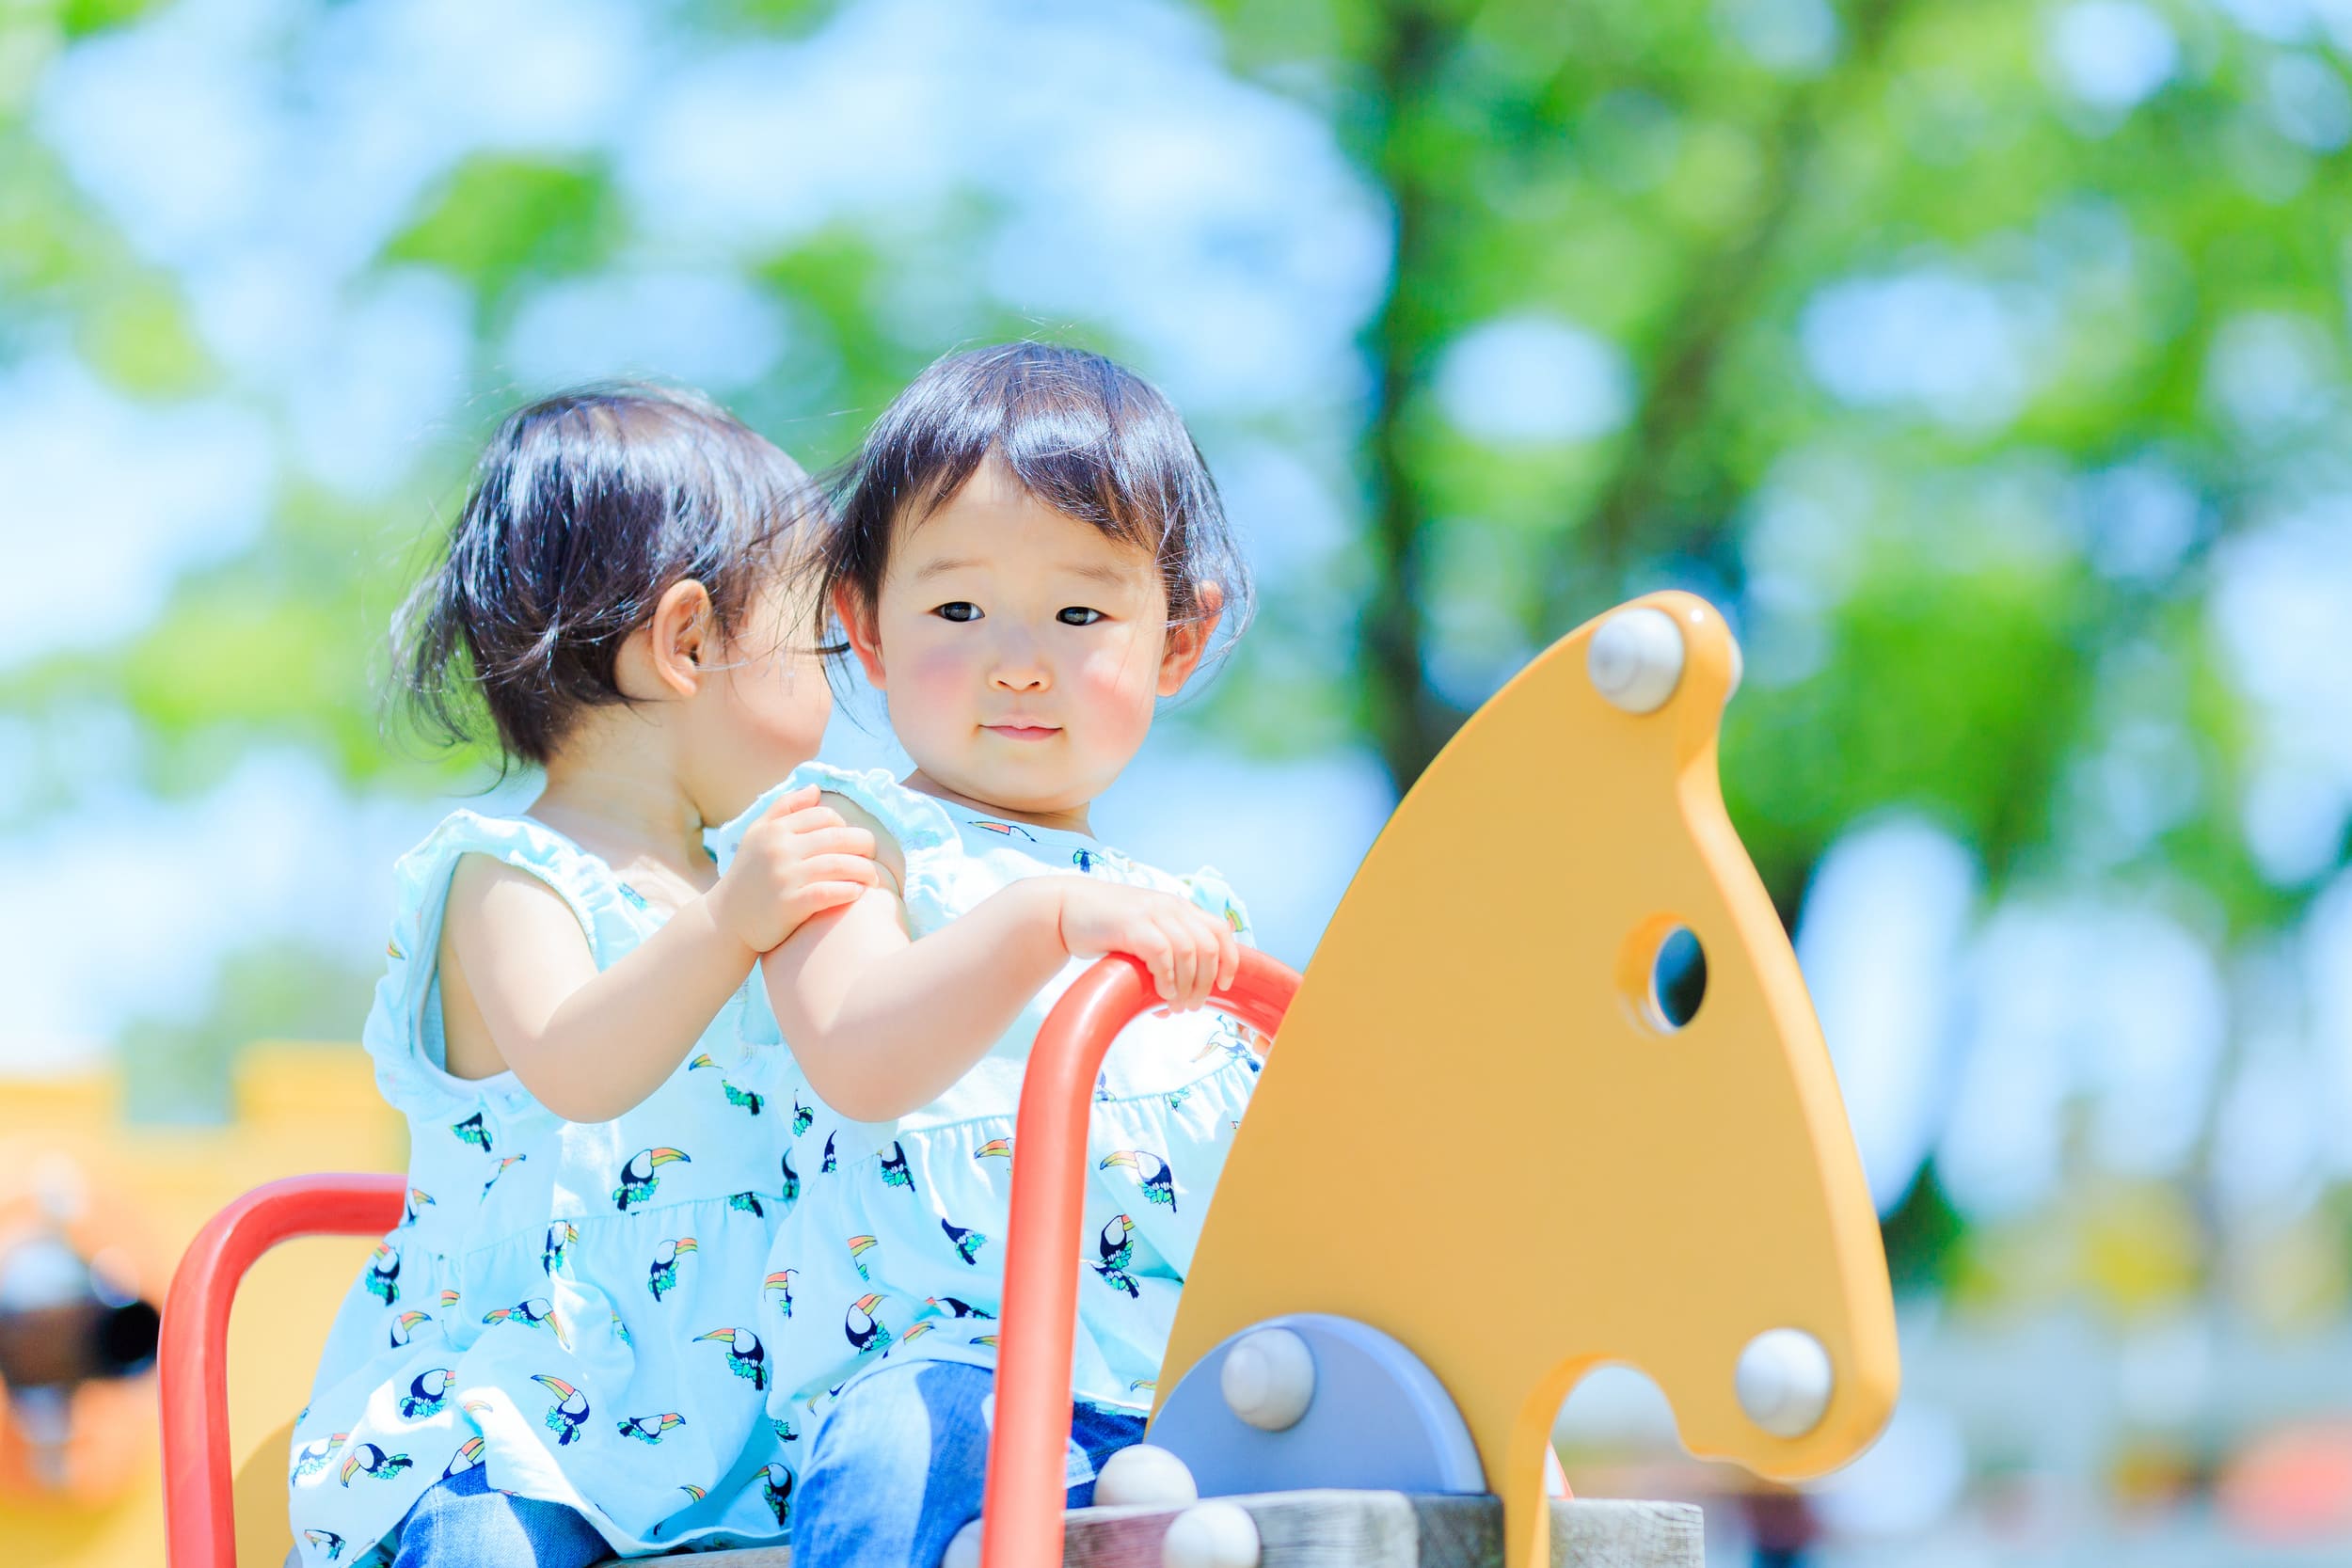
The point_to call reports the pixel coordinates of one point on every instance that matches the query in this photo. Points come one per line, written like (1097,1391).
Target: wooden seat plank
(1367,1529)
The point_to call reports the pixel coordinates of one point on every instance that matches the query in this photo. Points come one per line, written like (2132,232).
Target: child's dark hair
(1090,439)
(585,508)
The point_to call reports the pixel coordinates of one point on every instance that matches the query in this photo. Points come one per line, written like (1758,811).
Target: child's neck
(1070,820)
(626,805)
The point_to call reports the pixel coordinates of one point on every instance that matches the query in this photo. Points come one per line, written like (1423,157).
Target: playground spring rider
(1565,1174)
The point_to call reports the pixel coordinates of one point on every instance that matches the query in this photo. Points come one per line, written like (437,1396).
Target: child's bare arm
(883,1024)
(521,991)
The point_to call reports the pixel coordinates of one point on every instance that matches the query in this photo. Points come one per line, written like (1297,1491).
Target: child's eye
(958,610)
(1078,615)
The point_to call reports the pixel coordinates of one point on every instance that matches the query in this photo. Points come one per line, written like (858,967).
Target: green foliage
(45,239)
(1923,1235)
(63,266)
(830,278)
(756,16)
(139,341)
(1954,695)
(2207,850)
(495,219)
(1626,166)
(79,18)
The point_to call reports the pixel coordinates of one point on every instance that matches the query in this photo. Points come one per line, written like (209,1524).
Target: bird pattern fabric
(896,1248)
(565,1304)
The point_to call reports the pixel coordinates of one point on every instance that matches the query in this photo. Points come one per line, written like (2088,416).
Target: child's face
(764,713)
(1020,650)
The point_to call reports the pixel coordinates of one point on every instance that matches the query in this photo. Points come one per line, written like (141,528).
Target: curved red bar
(199,1525)
(1022,1518)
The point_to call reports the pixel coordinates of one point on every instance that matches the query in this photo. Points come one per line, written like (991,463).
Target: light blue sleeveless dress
(895,1249)
(565,1304)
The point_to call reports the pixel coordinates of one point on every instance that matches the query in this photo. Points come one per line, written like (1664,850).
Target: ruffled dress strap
(928,842)
(403,1028)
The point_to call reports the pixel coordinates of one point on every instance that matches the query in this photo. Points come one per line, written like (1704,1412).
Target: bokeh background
(1985,360)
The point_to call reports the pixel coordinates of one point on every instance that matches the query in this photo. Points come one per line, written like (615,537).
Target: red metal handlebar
(200,1522)
(1021,1517)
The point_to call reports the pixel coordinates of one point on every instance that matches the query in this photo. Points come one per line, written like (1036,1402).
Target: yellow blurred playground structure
(125,1200)
(1610,1135)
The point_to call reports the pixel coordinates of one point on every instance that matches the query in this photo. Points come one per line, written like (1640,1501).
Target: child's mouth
(1022,732)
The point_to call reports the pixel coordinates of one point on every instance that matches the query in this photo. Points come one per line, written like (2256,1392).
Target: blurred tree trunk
(1669,489)
(1407,718)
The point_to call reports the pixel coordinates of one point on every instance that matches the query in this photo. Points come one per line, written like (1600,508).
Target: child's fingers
(792,800)
(1151,946)
(842,840)
(812,818)
(848,841)
(833,844)
(817,898)
(1196,962)
(1184,967)
(840,868)
(1219,959)
(1227,957)
(1205,967)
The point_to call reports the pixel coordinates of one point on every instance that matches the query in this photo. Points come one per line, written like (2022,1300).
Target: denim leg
(463,1524)
(893,1469)
(1100,1433)
(897,1468)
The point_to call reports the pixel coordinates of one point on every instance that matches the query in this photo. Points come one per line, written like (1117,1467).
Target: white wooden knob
(964,1550)
(1146,1475)
(1784,1381)
(1636,658)
(1211,1536)
(1268,1379)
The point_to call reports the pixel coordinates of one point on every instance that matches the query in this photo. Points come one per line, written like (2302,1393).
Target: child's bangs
(1080,435)
(1071,441)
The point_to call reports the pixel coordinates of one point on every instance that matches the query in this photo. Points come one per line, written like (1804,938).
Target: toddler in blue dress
(548,1360)
(1030,554)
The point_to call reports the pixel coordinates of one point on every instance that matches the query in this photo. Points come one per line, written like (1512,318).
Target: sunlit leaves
(1956,694)
(495,219)
(82,17)
(139,341)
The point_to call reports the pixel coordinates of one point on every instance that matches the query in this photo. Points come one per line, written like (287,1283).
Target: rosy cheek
(1115,689)
(935,681)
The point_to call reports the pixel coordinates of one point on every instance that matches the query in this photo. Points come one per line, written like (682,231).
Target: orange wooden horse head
(1482,1135)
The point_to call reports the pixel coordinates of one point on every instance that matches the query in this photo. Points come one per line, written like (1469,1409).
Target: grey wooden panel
(1389,1529)
(1610,1533)
(1368,1529)
(1126,1537)
(749,1556)
(1335,1530)
(1466,1530)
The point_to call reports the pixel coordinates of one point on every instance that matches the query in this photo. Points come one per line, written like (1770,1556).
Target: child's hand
(1189,951)
(800,859)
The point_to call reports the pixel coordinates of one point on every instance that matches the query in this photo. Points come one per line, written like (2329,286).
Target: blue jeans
(463,1524)
(896,1469)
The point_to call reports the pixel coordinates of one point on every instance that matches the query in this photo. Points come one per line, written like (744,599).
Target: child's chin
(1032,790)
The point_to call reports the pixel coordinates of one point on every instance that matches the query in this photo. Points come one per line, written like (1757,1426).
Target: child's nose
(1021,677)
(1020,666)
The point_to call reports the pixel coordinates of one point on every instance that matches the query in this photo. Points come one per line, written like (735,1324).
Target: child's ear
(857,623)
(680,638)
(1187,642)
